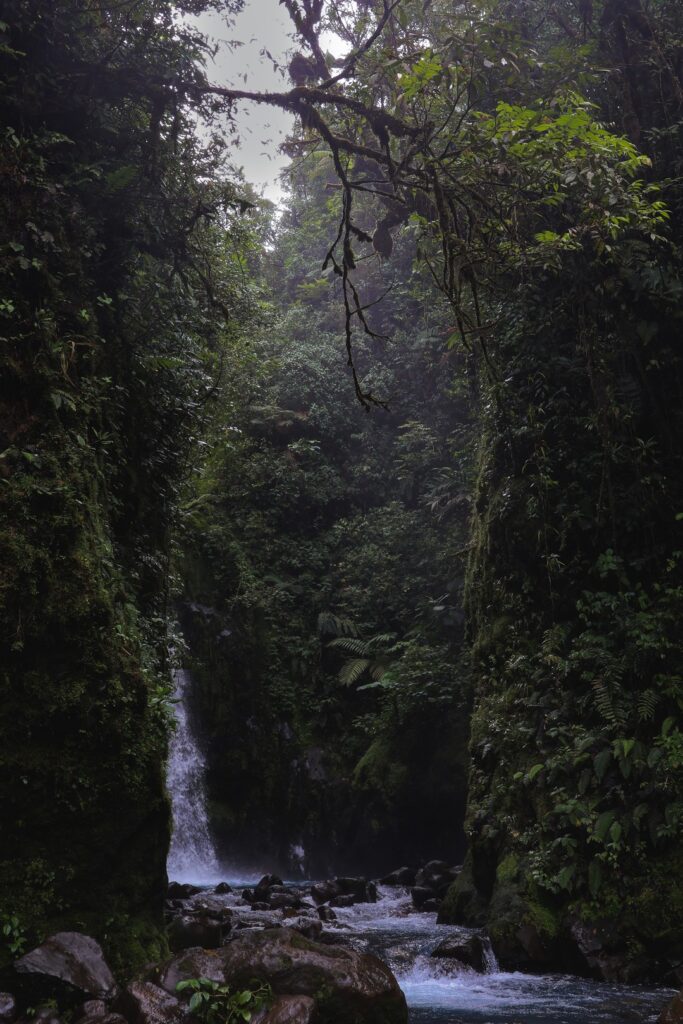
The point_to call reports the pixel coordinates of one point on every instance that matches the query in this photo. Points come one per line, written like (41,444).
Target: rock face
(74,958)
(346,985)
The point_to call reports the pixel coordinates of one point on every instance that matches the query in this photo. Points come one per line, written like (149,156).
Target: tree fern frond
(353,670)
(352,645)
(647,704)
(333,625)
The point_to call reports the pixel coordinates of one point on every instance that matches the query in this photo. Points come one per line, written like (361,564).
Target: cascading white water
(192,857)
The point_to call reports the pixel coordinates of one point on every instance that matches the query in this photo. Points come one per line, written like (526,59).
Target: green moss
(508,868)
(546,920)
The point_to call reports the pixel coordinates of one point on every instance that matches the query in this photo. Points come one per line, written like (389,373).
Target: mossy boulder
(347,986)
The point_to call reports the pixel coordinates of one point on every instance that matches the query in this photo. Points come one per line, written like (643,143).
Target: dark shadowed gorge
(345,537)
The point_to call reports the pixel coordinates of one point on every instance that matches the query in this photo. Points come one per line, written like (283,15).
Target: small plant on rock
(213,1003)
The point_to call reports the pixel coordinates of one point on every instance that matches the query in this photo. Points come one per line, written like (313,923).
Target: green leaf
(602,825)
(565,876)
(196,1001)
(595,877)
(601,762)
(534,771)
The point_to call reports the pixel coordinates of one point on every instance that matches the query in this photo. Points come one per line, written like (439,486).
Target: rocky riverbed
(331,952)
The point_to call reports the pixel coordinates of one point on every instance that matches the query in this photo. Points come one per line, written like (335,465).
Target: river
(437,993)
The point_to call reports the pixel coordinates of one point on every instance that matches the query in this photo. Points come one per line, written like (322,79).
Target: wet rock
(311,927)
(431,906)
(322,892)
(257,919)
(603,953)
(93,1008)
(673,1013)
(146,1003)
(347,986)
(190,930)
(289,1010)
(181,890)
(420,894)
(437,867)
(106,1018)
(269,880)
(210,906)
(471,951)
(402,876)
(343,901)
(8,1008)
(280,900)
(223,887)
(326,914)
(73,958)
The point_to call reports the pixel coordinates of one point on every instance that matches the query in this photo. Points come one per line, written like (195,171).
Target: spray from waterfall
(192,857)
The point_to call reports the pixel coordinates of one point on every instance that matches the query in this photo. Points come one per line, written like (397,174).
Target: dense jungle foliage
(324,554)
(407,460)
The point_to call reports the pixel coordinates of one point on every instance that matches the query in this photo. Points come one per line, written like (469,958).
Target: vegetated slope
(109,335)
(324,566)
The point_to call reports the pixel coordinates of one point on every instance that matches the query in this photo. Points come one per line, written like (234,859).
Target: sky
(262,25)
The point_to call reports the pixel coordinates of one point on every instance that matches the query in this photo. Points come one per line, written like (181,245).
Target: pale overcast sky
(262,25)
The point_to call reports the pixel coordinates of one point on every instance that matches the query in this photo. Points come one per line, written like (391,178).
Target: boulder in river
(190,930)
(470,950)
(673,1013)
(322,892)
(74,958)
(402,876)
(181,890)
(222,888)
(346,985)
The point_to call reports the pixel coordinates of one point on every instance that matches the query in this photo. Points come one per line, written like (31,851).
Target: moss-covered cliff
(104,361)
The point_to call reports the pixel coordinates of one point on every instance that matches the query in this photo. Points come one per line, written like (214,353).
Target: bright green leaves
(578,181)
(213,1003)
(427,68)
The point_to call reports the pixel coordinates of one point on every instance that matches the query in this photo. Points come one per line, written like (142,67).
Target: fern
(353,670)
(647,705)
(606,704)
(332,625)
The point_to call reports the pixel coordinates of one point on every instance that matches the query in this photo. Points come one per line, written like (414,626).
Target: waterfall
(192,857)
(490,959)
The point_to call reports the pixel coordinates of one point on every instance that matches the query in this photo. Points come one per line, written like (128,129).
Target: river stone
(8,1007)
(189,931)
(223,887)
(182,890)
(470,951)
(673,1014)
(105,1018)
(348,986)
(402,876)
(93,1008)
(324,891)
(311,927)
(74,958)
(145,1003)
(420,895)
